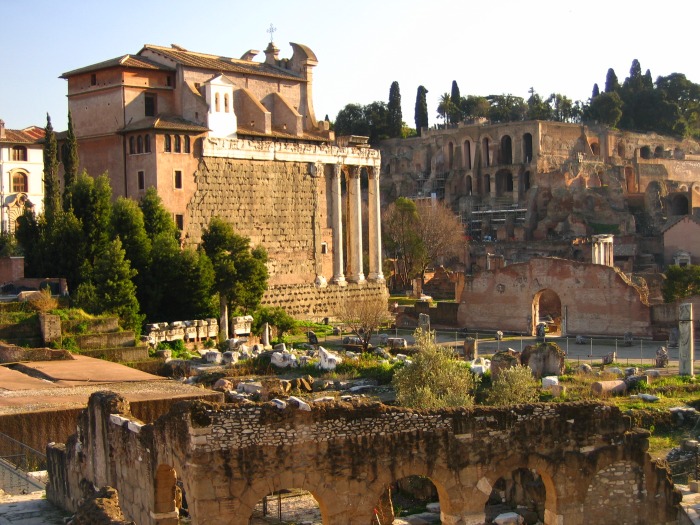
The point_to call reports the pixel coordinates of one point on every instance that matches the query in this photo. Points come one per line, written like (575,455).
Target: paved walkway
(29,509)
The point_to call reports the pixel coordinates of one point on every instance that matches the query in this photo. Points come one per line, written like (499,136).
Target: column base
(357,279)
(375,277)
(340,280)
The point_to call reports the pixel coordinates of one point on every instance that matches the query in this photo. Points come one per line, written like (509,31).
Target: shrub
(42,301)
(513,385)
(434,379)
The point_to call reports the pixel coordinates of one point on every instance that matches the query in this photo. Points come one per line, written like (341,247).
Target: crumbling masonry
(228,459)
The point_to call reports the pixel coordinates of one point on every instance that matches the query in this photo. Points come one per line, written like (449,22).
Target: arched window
(216,102)
(450,155)
(139,144)
(506,150)
(178,144)
(486,161)
(226,102)
(527,147)
(19,182)
(19,153)
(467,154)
(187,144)
(168,145)
(147,144)
(132,146)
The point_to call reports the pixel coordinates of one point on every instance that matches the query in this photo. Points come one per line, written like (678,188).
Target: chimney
(2,129)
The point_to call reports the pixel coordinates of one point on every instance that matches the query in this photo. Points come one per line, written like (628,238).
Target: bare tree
(440,232)
(364,316)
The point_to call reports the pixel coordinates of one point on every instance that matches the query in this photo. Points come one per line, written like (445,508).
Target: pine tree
(70,159)
(52,192)
(611,82)
(421,112)
(395,118)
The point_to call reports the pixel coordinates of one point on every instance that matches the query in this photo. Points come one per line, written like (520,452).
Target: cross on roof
(271,30)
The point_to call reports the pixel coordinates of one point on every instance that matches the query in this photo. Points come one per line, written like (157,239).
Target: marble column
(336,209)
(686,344)
(354,224)
(375,227)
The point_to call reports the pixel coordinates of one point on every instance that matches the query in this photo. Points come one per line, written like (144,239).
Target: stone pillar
(375,228)
(337,212)
(355,273)
(686,345)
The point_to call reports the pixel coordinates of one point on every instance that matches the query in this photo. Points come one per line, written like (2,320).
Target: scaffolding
(474,219)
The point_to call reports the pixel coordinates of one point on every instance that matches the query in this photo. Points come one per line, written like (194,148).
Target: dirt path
(29,509)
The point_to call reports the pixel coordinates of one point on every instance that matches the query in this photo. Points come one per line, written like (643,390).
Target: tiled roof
(133,61)
(675,220)
(280,134)
(165,123)
(221,64)
(30,135)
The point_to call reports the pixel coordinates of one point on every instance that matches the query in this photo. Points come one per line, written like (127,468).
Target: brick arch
(258,489)
(551,298)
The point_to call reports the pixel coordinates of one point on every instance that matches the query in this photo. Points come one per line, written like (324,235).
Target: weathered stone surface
(544,359)
(600,388)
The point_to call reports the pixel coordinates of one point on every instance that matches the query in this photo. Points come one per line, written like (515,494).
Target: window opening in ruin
(178,179)
(147,143)
(679,205)
(631,180)
(486,153)
(93,79)
(139,144)
(450,155)
(141,178)
(407,497)
(468,188)
(620,149)
(546,308)
(150,104)
(167,146)
(178,144)
(658,152)
(645,152)
(504,183)
(216,102)
(467,154)
(288,506)
(595,148)
(506,150)
(487,184)
(168,80)
(132,145)
(19,182)
(324,248)
(522,491)
(19,153)
(180,222)
(527,147)
(526,181)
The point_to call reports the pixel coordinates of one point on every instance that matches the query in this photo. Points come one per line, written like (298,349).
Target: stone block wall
(228,458)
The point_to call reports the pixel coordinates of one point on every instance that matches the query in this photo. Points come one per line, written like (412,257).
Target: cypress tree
(70,163)
(596,91)
(455,106)
(52,193)
(611,82)
(421,113)
(395,118)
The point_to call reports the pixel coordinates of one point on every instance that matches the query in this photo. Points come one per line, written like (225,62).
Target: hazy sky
(488,47)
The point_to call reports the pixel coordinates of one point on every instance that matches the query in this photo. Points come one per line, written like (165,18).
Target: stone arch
(527,147)
(251,500)
(678,205)
(504,182)
(506,150)
(467,154)
(620,483)
(540,467)
(645,152)
(658,152)
(546,304)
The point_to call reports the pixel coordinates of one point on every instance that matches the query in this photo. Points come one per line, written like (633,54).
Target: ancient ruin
(222,460)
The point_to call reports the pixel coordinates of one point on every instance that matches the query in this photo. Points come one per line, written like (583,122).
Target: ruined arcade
(346,455)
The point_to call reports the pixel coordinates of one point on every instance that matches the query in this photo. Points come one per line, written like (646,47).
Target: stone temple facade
(238,139)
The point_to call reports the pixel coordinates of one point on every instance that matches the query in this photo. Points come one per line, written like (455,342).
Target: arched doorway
(410,496)
(504,182)
(287,506)
(522,491)
(679,205)
(546,308)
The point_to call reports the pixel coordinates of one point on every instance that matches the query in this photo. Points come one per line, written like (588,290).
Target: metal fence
(22,469)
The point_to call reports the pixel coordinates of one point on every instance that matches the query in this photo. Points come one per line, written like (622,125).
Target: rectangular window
(150,104)
(178,180)
(180,222)
(93,79)
(142,180)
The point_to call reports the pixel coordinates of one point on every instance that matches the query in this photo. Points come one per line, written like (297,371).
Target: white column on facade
(354,223)
(337,211)
(375,228)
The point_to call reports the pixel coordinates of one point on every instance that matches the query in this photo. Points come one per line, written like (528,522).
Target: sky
(488,47)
